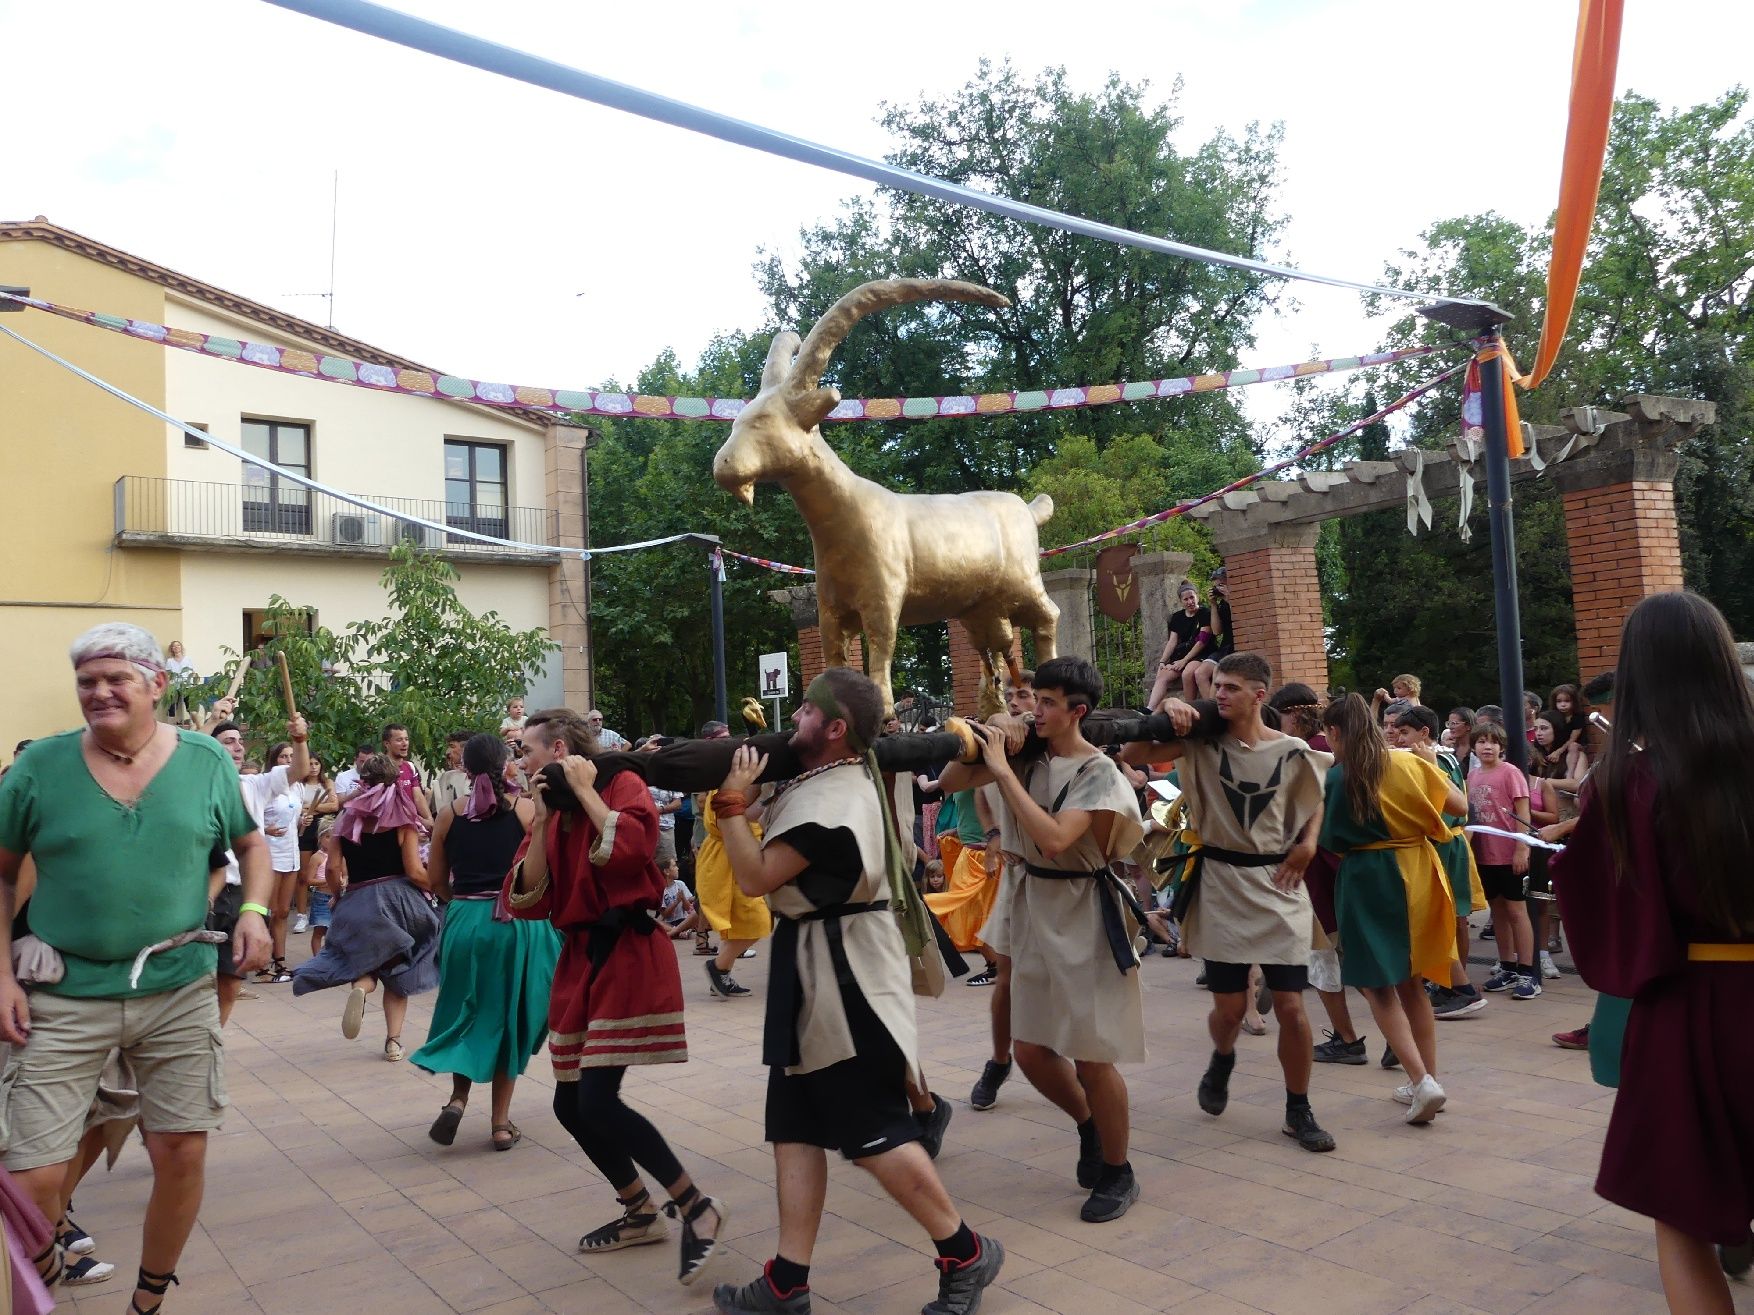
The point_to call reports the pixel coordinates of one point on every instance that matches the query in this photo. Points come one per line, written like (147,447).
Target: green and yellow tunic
(1456,854)
(1396,916)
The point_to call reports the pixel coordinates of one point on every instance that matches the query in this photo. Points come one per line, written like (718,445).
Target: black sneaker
(932,1125)
(1388,1058)
(1214,1092)
(986,1090)
(1336,1051)
(1302,1128)
(1486,932)
(1111,1199)
(1459,1004)
(1089,1158)
(960,1284)
(722,985)
(986,977)
(759,1298)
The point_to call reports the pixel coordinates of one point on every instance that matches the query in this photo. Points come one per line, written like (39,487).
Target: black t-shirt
(1223,642)
(831,878)
(1185,629)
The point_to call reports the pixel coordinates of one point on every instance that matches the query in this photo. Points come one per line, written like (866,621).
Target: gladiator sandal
(638,1225)
(696,1250)
(157,1285)
(51,1263)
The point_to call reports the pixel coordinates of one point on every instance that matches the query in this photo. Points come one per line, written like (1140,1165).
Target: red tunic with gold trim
(617,996)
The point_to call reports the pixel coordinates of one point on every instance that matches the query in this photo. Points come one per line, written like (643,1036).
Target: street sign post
(774,680)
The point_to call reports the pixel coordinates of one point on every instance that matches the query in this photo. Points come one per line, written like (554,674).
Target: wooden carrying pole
(286,685)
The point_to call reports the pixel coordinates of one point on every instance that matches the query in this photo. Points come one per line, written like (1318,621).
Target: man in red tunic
(589,867)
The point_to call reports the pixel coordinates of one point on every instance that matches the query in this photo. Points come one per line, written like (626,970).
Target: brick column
(1070,592)
(1621,532)
(1276,601)
(965,667)
(800,602)
(568,594)
(1158,573)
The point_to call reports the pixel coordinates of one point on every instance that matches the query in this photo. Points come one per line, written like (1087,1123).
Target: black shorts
(1499,882)
(307,839)
(224,917)
(857,1107)
(1233,978)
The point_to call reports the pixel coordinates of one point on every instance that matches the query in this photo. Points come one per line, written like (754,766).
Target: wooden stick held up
(286,685)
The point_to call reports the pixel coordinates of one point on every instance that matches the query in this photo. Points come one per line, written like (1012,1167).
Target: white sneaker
(1549,969)
(1428,1099)
(301,924)
(1404,1093)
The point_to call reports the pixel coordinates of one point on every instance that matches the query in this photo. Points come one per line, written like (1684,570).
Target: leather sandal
(157,1284)
(515,1136)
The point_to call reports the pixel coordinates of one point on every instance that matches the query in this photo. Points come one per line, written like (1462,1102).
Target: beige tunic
(1066,993)
(844,797)
(1251,801)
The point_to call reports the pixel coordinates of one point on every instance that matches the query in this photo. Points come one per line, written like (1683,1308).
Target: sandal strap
(691,1212)
(156,1284)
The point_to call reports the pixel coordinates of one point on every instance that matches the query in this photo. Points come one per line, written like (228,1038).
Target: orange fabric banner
(1508,377)
(1593,65)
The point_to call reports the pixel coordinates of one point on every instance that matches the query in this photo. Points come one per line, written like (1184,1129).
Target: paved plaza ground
(325,1196)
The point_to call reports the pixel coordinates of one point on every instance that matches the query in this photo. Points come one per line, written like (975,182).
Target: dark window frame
(280,514)
(469,515)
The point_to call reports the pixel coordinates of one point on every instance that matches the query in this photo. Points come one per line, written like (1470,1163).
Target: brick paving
(325,1196)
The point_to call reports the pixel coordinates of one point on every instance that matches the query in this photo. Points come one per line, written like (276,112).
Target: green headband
(822,697)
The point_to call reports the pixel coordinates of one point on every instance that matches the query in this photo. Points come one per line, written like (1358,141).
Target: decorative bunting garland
(1182,508)
(781,567)
(640,406)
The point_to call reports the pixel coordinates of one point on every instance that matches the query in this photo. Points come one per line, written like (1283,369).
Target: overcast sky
(500,231)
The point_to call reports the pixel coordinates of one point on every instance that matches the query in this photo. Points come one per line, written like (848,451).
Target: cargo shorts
(171,1039)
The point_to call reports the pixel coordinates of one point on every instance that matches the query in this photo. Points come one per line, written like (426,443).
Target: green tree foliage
(428,663)
(1082,311)
(1666,306)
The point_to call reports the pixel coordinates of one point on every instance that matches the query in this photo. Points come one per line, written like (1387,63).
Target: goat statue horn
(833,327)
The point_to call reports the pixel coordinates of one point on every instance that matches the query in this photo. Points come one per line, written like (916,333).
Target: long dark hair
(1362,753)
(1684,713)
(485,755)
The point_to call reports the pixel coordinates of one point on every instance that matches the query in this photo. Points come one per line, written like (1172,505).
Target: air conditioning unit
(420,536)
(356,529)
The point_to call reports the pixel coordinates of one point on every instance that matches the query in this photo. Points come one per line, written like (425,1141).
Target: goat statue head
(774,436)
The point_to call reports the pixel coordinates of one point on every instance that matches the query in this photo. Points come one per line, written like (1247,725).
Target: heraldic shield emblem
(1117,588)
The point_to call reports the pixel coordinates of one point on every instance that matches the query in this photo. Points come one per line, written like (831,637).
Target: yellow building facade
(108,514)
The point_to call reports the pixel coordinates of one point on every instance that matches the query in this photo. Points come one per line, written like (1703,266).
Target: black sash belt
(1114,926)
(600,936)
(785,990)
(1196,861)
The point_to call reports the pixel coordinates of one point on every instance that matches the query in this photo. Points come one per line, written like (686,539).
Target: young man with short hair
(1254,796)
(839,1070)
(1072,1022)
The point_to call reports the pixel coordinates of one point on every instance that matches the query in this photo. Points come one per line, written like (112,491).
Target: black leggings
(611,1134)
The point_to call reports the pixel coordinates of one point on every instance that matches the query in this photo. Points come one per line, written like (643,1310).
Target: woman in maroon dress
(1659,897)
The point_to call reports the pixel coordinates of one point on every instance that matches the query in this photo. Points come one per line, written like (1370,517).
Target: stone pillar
(1158,573)
(1276,601)
(1070,592)
(1624,544)
(800,601)
(568,591)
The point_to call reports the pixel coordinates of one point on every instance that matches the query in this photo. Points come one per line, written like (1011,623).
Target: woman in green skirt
(494,975)
(1392,902)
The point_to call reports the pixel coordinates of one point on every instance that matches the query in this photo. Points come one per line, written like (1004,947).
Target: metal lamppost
(1484,320)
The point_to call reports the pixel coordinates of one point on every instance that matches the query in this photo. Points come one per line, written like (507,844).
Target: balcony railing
(262,517)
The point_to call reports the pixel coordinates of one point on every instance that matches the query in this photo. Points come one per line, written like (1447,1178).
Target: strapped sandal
(393,1049)
(697,1251)
(278,976)
(638,1225)
(444,1128)
(157,1284)
(51,1264)
(507,1127)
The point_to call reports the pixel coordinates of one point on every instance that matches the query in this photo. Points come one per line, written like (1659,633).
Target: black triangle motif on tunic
(1248,800)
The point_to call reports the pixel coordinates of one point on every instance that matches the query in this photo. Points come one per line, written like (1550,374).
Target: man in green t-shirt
(121,820)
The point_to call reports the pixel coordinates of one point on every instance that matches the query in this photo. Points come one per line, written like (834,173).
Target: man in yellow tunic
(739,920)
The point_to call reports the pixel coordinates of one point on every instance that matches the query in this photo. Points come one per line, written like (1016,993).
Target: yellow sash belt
(1737,952)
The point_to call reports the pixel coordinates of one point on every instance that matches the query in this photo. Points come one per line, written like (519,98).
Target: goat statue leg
(880,656)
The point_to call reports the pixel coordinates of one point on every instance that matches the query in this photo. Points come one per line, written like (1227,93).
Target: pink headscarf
(483,802)
(385,806)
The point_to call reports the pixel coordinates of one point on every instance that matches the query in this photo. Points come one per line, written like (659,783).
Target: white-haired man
(121,819)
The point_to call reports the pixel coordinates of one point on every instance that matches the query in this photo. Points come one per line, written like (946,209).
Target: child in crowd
(1498,796)
(514,717)
(678,911)
(1573,711)
(317,882)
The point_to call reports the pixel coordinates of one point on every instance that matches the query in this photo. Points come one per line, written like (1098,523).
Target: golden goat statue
(886,559)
